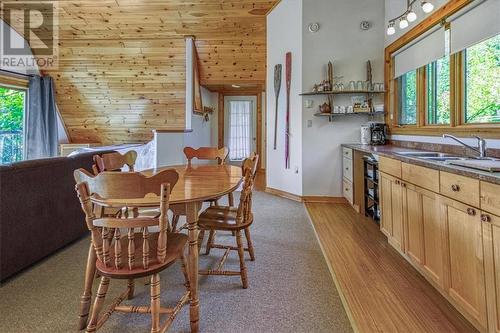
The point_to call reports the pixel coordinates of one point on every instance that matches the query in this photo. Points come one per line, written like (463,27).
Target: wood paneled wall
(122,62)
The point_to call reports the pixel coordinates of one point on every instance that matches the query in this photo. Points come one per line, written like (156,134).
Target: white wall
(340,40)
(202,134)
(284,34)
(394,8)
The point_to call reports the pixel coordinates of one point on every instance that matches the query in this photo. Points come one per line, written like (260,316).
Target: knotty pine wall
(122,63)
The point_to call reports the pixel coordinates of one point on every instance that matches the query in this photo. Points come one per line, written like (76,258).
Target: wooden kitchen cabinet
(391,209)
(491,243)
(424,232)
(465,283)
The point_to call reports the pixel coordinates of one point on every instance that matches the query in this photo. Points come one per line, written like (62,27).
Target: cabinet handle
(397,182)
(455,188)
(485,218)
(403,184)
(471,211)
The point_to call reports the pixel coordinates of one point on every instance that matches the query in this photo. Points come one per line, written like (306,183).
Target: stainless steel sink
(430,155)
(425,154)
(443,158)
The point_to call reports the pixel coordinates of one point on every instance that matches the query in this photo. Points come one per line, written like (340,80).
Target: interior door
(240,132)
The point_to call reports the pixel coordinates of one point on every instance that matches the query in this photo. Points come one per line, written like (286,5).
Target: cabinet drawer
(347,190)
(490,197)
(347,153)
(461,188)
(421,176)
(347,168)
(390,166)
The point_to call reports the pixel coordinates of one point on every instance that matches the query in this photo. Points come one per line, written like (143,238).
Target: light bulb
(391,30)
(403,23)
(411,16)
(427,7)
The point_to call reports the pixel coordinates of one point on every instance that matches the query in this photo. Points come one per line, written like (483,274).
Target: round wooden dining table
(197,183)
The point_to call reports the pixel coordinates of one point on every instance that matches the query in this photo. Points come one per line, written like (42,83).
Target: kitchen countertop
(391,152)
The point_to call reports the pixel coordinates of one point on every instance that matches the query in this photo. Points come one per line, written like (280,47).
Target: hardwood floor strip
(381,291)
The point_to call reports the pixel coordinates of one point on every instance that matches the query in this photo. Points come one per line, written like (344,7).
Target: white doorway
(240,130)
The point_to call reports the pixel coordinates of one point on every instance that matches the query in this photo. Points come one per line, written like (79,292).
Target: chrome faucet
(481,144)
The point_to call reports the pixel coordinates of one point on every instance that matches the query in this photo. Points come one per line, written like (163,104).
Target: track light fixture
(408,16)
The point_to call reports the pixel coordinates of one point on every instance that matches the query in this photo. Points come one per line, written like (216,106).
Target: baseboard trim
(283,194)
(306,198)
(324,199)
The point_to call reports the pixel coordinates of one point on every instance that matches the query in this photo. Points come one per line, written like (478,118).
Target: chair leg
(99,301)
(175,220)
(86,297)
(249,244)
(155,303)
(185,272)
(241,254)
(131,286)
(201,236)
(230,199)
(210,242)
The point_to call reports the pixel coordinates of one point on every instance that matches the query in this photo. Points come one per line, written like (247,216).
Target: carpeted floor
(290,289)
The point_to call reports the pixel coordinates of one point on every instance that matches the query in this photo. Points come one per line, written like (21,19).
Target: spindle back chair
(232,219)
(114,161)
(133,254)
(207,153)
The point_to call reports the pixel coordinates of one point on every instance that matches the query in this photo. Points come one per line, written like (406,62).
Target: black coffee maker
(378,133)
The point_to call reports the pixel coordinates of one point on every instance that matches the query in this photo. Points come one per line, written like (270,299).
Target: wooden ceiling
(122,62)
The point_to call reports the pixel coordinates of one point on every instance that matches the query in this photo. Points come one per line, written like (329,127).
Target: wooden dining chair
(206,154)
(114,161)
(225,218)
(254,157)
(133,254)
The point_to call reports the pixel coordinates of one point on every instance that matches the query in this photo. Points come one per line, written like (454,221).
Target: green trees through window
(11,124)
(438,91)
(407,98)
(482,82)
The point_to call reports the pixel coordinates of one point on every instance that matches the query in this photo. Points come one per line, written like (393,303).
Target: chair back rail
(107,232)
(114,161)
(206,153)
(245,206)
(125,185)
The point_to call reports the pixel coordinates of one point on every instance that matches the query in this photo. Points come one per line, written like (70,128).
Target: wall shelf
(343,92)
(319,114)
(332,115)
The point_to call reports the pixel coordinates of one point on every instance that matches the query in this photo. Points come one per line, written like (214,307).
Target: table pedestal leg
(192,220)
(86,297)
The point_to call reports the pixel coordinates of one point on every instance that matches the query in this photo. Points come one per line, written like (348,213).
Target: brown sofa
(39,210)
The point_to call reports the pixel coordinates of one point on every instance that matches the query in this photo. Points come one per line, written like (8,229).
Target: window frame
(457,125)
(18,84)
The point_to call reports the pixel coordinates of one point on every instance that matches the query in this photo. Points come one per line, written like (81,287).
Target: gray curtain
(41,122)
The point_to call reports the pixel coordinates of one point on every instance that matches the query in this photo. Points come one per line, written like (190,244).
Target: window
(12,103)
(438,91)
(240,130)
(482,82)
(407,98)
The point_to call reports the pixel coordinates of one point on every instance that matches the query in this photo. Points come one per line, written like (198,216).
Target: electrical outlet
(309,123)
(308,103)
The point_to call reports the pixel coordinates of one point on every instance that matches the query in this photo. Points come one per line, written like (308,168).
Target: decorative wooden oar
(277,88)
(287,132)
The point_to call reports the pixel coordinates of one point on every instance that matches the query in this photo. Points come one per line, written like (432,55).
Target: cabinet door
(385,189)
(424,231)
(491,239)
(391,197)
(466,278)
